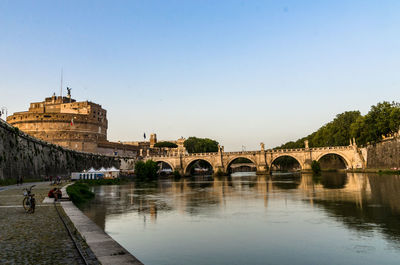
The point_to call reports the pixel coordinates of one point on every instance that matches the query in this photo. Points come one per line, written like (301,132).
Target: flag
(72,122)
(144,135)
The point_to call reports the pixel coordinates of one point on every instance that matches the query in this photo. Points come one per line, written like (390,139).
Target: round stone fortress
(63,121)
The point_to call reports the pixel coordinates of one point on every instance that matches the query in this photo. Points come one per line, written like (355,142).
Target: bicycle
(29,202)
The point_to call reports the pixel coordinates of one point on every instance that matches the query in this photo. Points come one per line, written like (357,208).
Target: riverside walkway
(39,238)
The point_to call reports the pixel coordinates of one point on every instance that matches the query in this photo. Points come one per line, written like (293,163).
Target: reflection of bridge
(263,159)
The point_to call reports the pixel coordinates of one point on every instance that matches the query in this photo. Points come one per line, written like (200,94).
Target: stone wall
(384,155)
(29,157)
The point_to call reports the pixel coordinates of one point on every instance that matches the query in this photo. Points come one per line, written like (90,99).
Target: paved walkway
(38,238)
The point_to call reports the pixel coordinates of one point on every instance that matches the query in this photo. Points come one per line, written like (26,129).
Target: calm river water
(337,218)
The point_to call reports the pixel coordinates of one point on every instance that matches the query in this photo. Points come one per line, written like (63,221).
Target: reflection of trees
(359,201)
(364,202)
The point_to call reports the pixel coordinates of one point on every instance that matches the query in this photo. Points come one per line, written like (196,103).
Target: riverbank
(43,238)
(380,171)
(106,249)
(39,238)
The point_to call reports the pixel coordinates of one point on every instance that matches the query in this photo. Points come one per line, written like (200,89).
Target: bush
(79,193)
(176,174)
(315,167)
(146,170)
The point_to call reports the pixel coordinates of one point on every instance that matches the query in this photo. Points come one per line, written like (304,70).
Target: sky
(239,72)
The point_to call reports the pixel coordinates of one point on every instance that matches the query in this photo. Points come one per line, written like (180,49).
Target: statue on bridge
(262,146)
(220,149)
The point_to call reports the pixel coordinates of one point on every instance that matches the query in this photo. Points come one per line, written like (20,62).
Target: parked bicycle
(29,202)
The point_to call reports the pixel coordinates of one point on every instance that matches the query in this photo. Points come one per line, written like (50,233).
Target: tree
(382,119)
(166,144)
(316,167)
(146,170)
(200,145)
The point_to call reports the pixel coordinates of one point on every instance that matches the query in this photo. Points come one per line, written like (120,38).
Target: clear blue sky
(240,72)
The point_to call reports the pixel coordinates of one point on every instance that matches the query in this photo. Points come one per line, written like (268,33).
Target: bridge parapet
(263,159)
(242,153)
(200,154)
(331,148)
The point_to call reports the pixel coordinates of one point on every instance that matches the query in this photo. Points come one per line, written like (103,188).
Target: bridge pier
(306,167)
(219,169)
(262,169)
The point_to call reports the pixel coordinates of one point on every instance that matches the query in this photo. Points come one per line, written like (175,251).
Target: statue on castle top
(69,92)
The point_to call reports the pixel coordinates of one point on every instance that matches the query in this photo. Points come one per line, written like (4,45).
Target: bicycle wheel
(26,204)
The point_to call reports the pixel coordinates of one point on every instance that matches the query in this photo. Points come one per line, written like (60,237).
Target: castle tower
(63,121)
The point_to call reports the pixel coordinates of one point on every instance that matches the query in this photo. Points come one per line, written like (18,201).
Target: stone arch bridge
(263,159)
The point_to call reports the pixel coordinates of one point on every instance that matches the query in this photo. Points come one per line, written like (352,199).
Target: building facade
(64,121)
(79,126)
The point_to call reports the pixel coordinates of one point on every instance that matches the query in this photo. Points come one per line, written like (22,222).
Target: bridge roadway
(351,155)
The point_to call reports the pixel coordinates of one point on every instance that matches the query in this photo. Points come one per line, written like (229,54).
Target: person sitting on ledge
(52,193)
(58,194)
(55,193)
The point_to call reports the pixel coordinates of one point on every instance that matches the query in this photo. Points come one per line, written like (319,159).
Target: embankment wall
(23,155)
(384,155)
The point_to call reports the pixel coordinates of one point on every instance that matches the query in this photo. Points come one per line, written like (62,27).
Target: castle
(76,125)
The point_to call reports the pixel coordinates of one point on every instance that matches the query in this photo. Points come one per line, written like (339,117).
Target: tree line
(382,119)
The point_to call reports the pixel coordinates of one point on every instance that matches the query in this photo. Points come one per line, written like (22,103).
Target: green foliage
(79,193)
(316,167)
(146,170)
(176,174)
(382,119)
(200,145)
(166,144)
(389,172)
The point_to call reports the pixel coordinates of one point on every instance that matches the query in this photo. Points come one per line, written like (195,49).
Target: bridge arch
(239,157)
(191,162)
(346,161)
(287,155)
(166,162)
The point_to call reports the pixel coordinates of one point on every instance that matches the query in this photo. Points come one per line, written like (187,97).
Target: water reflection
(332,204)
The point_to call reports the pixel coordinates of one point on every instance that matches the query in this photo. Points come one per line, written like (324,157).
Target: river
(337,218)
